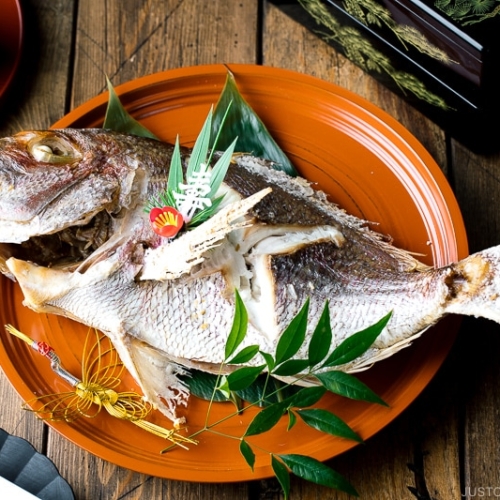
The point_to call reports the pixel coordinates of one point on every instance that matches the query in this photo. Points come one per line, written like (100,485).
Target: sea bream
(75,236)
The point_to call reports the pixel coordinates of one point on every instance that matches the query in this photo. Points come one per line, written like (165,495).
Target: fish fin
(5,255)
(156,375)
(172,260)
(41,285)
(474,285)
(406,262)
(159,378)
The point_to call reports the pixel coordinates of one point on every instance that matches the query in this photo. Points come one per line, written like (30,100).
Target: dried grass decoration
(101,375)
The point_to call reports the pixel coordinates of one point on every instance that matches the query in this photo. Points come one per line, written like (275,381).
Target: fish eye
(53,149)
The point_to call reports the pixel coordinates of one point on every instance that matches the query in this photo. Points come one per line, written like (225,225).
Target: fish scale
(168,306)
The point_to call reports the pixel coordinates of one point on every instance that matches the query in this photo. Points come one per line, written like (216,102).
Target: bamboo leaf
(292,419)
(245,355)
(118,119)
(200,148)
(203,385)
(221,121)
(220,169)
(267,391)
(357,344)
(238,328)
(205,214)
(294,335)
(282,475)
(247,453)
(175,174)
(242,122)
(321,339)
(327,422)
(291,367)
(266,419)
(244,377)
(348,386)
(313,470)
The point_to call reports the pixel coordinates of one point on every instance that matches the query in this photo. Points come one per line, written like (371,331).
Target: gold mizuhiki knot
(97,394)
(101,372)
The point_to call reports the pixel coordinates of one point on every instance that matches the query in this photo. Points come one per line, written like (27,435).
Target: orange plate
(365,160)
(11,36)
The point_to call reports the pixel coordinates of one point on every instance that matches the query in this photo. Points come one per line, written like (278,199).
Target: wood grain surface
(446,446)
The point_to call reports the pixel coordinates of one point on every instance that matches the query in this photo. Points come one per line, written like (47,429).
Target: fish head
(61,185)
(52,179)
(34,168)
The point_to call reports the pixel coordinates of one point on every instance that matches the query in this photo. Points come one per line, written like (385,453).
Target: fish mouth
(65,249)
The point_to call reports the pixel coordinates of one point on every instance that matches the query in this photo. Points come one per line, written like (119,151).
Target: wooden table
(446,446)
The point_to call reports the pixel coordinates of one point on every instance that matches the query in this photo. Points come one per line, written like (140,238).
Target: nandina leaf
(315,471)
(327,422)
(291,367)
(293,337)
(247,453)
(282,475)
(223,388)
(321,339)
(292,419)
(346,385)
(271,363)
(357,344)
(242,122)
(239,327)
(266,419)
(118,119)
(244,377)
(307,396)
(245,355)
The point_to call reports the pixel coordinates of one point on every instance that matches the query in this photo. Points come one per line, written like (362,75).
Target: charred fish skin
(286,245)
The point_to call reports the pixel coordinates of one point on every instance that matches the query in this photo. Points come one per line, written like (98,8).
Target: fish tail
(474,285)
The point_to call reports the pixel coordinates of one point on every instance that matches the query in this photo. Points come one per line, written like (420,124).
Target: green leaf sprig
(198,163)
(320,366)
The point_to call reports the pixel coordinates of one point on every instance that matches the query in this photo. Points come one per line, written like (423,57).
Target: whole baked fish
(75,236)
